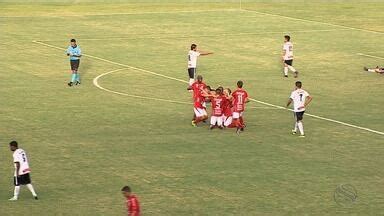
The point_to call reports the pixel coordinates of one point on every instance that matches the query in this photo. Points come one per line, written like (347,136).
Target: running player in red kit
(133,205)
(239,98)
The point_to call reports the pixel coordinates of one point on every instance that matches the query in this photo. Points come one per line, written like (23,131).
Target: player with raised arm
(379,70)
(74,53)
(132,202)
(288,57)
(193,54)
(239,99)
(300,99)
(217,101)
(22,170)
(200,114)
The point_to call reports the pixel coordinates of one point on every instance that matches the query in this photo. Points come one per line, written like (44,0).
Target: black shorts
(22,180)
(75,64)
(299,115)
(192,73)
(288,62)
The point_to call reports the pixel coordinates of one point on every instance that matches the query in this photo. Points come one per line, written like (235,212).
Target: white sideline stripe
(371,56)
(257,101)
(134,37)
(115,63)
(313,21)
(129,13)
(96,83)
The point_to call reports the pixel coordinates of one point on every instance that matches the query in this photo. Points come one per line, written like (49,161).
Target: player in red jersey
(197,87)
(239,98)
(199,107)
(227,109)
(217,101)
(132,202)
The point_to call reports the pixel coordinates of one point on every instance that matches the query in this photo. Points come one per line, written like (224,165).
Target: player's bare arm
(308,100)
(202,53)
(289,102)
(17,168)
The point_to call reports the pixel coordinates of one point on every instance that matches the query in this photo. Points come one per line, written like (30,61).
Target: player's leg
(236,121)
(191,74)
(289,64)
(300,125)
(73,73)
(285,69)
(220,122)
(199,113)
(16,191)
(294,130)
(77,72)
(26,179)
(214,120)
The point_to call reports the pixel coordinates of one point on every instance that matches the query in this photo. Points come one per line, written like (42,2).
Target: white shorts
(237,115)
(200,112)
(217,120)
(227,120)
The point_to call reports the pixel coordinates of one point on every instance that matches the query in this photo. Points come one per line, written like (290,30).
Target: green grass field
(84,143)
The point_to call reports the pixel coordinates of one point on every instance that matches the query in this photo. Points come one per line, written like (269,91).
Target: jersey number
(189,57)
(239,99)
(301,97)
(24,159)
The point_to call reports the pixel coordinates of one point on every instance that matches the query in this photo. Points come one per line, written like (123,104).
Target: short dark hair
(126,189)
(193,46)
(240,84)
(199,77)
(73,40)
(13,143)
(287,37)
(298,84)
(229,90)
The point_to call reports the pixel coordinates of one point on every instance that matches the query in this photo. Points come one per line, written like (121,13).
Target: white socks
(301,128)
(30,187)
(371,70)
(291,68)
(295,128)
(191,81)
(16,191)
(286,71)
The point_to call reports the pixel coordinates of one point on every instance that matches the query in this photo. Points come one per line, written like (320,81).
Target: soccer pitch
(128,123)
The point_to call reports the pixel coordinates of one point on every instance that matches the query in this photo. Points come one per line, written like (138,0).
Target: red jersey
(227,107)
(217,105)
(239,98)
(133,206)
(197,88)
(198,102)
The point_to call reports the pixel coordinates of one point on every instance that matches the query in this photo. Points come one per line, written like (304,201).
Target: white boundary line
(371,56)
(313,21)
(172,78)
(129,13)
(134,37)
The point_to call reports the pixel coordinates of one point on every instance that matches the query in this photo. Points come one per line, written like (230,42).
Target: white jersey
(192,58)
(20,156)
(299,96)
(288,51)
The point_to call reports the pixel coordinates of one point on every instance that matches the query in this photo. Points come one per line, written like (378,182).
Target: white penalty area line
(117,14)
(370,56)
(172,78)
(313,21)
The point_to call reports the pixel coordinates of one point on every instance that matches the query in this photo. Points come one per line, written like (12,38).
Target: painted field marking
(134,37)
(176,79)
(128,13)
(371,56)
(97,84)
(313,21)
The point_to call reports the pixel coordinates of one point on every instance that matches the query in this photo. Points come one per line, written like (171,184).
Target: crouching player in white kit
(22,171)
(300,99)
(288,57)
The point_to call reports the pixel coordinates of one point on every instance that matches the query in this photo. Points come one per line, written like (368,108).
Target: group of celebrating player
(228,107)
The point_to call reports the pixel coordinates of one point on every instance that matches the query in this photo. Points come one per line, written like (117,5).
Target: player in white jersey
(379,70)
(300,99)
(193,54)
(22,170)
(288,57)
